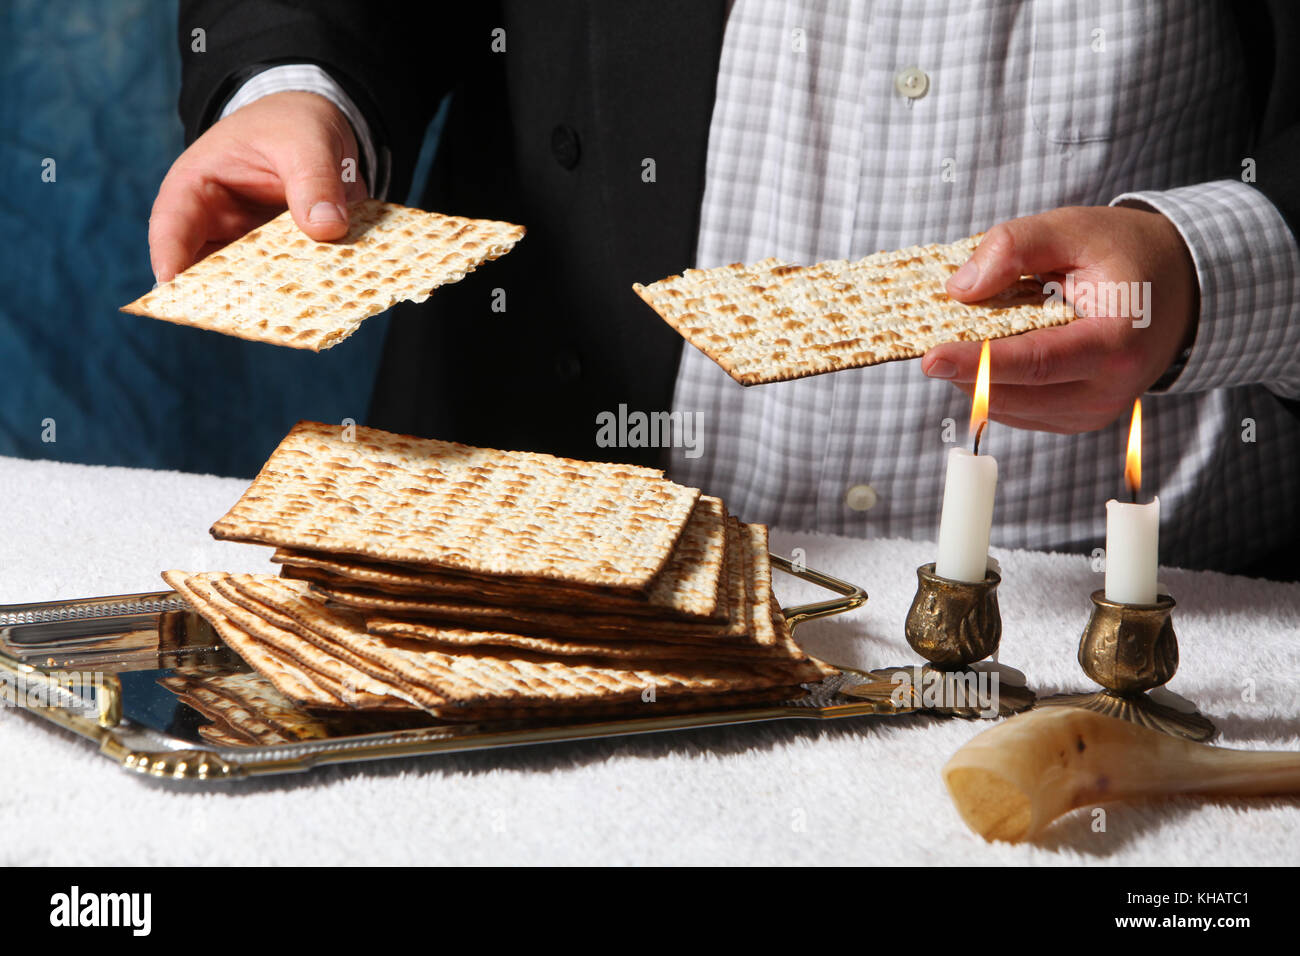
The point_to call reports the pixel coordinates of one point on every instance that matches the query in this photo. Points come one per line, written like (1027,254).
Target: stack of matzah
(772,321)
(470,583)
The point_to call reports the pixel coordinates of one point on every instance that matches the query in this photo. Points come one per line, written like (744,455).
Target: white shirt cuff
(309,78)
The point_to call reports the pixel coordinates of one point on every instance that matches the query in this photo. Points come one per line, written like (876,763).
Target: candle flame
(1133,462)
(979,409)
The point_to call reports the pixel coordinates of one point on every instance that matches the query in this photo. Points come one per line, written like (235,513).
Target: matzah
(585,624)
(254,693)
(278,285)
(289,675)
(772,321)
(220,734)
(451,638)
(440,504)
(261,698)
(313,640)
(229,717)
(690,585)
(501,679)
(293,602)
(359,687)
(757,628)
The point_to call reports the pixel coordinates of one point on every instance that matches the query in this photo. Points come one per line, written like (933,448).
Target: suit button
(564,146)
(567,365)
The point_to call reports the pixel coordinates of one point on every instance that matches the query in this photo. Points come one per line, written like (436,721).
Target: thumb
(310,167)
(1032,245)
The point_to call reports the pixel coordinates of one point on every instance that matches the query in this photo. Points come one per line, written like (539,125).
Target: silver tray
(126,672)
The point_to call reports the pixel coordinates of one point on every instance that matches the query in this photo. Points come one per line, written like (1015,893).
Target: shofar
(1012,780)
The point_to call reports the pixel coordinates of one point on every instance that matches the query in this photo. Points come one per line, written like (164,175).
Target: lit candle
(968,490)
(1132,532)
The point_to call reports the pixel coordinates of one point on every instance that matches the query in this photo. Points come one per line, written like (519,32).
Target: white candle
(967,516)
(1132,531)
(1132,550)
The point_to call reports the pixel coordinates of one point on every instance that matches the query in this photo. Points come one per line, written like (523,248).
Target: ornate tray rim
(146,751)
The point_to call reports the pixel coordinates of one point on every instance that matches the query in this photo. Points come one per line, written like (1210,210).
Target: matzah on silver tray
(152,685)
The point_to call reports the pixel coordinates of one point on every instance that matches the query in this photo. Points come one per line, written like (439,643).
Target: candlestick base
(952,624)
(966,692)
(1138,709)
(1129,649)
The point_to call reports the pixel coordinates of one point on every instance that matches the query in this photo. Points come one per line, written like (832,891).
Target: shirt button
(564,146)
(912,83)
(861,497)
(568,366)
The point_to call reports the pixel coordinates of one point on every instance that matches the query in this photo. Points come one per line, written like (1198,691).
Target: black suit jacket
(553,134)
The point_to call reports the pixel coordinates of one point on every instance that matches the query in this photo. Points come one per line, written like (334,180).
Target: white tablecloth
(859,791)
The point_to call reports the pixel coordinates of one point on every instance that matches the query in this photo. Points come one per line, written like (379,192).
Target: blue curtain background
(93,86)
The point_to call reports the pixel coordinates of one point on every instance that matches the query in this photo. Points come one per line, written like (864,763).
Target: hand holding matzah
(1130,277)
(309,277)
(771,321)
(286,149)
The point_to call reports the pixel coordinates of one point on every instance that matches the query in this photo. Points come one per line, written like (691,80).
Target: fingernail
(965,277)
(326,212)
(941,369)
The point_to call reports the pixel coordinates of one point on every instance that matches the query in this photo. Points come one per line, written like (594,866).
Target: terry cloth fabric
(794,792)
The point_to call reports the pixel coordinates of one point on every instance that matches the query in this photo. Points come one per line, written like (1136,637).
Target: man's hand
(283,149)
(1084,375)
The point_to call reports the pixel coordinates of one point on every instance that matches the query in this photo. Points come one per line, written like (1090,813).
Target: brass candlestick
(1129,649)
(952,624)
